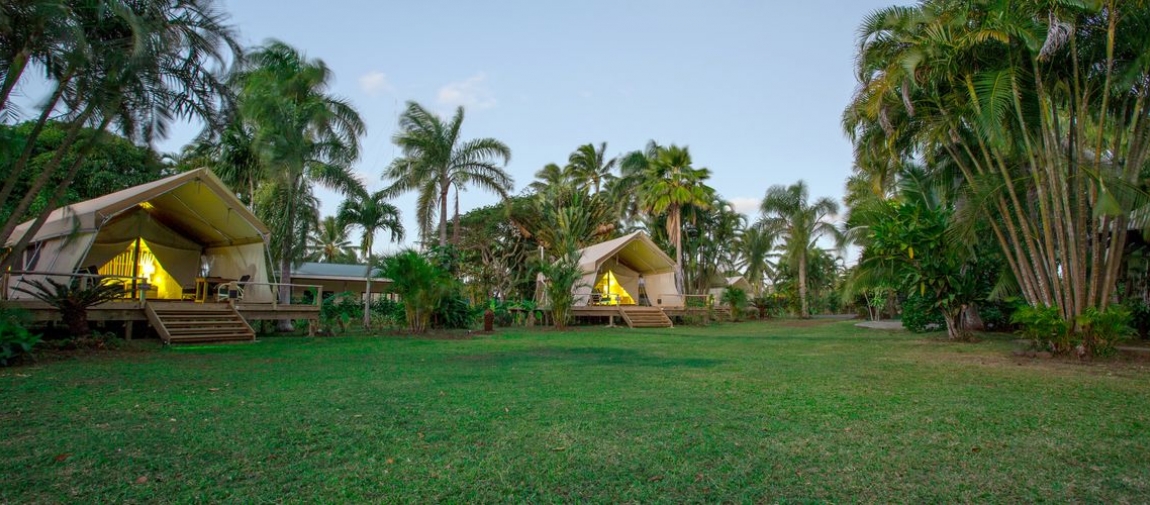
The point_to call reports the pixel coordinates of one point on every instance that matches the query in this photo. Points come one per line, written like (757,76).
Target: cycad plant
(74,298)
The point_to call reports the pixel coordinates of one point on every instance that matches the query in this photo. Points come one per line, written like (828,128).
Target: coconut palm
(799,224)
(668,184)
(589,165)
(329,243)
(755,253)
(304,136)
(436,159)
(372,214)
(549,177)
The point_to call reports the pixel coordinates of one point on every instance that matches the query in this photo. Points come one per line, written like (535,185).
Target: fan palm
(788,214)
(435,159)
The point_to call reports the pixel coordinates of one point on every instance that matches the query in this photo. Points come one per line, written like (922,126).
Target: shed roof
(334,271)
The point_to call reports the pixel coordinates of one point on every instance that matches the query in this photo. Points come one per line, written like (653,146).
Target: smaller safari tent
(170,233)
(613,271)
(738,282)
(338,278)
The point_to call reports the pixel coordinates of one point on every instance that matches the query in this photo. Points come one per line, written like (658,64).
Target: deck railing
(15,278)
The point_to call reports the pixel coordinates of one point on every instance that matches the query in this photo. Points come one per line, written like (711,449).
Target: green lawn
(783,411)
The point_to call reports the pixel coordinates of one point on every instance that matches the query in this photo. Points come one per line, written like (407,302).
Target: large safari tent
(161,238)
(613,270)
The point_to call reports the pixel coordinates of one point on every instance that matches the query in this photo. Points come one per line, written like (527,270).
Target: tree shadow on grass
(588,356)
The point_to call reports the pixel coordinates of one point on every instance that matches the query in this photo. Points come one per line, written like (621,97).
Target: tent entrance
(138,261)
(609,291)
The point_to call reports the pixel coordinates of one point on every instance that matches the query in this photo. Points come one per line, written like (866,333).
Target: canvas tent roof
(740,282)
(195,204)
(636,249)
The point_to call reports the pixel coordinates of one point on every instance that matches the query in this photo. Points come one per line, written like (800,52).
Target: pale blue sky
(755,88)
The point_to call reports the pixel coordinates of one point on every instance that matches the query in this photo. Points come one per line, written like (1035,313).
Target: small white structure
(172,234)
(629,270)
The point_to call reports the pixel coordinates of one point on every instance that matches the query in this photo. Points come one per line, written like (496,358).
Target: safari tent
(612,271)
(162,237)
(738,282)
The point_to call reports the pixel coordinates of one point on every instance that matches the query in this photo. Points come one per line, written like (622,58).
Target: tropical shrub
(561,275)
(339,310)
(1102,330)
(1044,326)
(421,285)
(15,340)
(736,300)
(454,311)
(919,313)
(1139,316)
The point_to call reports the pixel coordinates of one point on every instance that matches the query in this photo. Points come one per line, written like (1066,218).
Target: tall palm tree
(668,184)
(787,213)
(372,214)
(329,243)
(304,135)
(590,166)
(435,159)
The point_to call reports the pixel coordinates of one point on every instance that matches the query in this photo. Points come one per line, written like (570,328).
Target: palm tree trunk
(15,70)
(677,238)
(285,325)
(444,187)
(30,145)
(804,311)
(455,221)
(367,297)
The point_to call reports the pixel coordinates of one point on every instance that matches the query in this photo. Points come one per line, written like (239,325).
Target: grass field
(775,412)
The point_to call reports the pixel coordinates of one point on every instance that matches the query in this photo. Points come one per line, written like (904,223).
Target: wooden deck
(133,310)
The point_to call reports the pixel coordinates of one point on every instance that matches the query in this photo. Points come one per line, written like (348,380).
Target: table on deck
(205,285)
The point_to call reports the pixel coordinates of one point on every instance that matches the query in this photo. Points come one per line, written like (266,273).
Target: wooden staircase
(184,322)
(644,317)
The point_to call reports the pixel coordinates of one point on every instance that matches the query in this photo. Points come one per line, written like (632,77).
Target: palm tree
(668,184)
(549,177)
(590,167)
(435,159)
(329,243)
(304,136)
(755,248)
(372,214)
(787,213)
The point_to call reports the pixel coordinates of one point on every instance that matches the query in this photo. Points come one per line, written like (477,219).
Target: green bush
(1044,326)
(1139,316)
(995,315)
(15,341)
(1102,330)
(454,311)
(736,300)
(339,310)
(919,312)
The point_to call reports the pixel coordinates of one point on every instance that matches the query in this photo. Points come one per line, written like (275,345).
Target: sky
(754,88)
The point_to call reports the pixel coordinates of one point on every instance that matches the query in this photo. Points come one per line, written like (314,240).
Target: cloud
(374,83)
(471,93)
(748,206)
